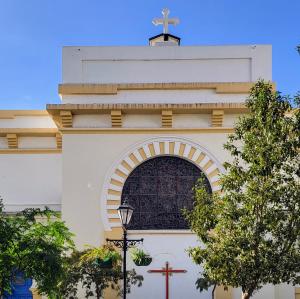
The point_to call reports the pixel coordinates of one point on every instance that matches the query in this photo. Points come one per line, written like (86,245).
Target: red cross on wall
(167,272)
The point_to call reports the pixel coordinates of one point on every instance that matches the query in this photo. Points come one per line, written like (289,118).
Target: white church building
(136,123)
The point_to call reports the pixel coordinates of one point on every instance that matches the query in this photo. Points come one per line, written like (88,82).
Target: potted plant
(104,256)
(140,257)
(105,263)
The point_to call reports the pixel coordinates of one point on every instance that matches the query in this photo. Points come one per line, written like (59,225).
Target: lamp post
(125,212)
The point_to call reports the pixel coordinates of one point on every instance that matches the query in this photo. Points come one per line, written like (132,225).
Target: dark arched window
(158,190)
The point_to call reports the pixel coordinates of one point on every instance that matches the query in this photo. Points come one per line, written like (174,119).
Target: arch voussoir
(156,147)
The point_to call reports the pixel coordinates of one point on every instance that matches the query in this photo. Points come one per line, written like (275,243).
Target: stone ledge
(110,89)
(55,109)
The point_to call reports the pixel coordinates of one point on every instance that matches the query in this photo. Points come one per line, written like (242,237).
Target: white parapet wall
(164,64)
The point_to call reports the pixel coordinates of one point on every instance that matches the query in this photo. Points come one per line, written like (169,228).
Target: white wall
(265,293)
(191,120)
(3,142)
(36,142)
(166,64)
(170,248)
(157,96)
(141,121)
(282,291)
(31,143)
(92,121)
(171,70)
(28,122)
(30,180)
(230,120)
(87,158)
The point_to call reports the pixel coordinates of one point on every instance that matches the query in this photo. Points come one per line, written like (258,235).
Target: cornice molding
(30,151)
(29,132)
(11,114)
(110,89)
(145,130)
(56,109)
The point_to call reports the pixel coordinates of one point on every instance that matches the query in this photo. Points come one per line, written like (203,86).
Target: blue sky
(33,32)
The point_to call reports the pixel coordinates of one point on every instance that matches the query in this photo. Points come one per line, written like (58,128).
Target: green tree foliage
(86,269)
(35,242)
(251,231)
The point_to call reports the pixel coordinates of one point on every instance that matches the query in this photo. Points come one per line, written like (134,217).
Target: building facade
(137,124)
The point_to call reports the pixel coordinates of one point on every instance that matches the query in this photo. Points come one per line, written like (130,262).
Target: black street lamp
(125,212)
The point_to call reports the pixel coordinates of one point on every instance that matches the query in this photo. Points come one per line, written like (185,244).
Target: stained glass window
(158,190)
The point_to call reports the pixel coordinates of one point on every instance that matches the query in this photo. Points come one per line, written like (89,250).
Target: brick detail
(217,118)
(66,119)
(58,140)
(12,140)
(166,118)
(116,118)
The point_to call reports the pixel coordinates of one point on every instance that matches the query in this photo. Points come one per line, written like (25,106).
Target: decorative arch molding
(140,152)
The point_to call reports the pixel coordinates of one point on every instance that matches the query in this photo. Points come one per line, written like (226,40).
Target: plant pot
(104,263)
(145,261)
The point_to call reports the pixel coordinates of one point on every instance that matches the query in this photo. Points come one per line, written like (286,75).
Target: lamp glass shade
(125,212)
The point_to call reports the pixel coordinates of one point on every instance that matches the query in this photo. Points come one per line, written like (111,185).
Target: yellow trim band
(29,151)
(11,114)
(39,132)
(145,130)
(219,87)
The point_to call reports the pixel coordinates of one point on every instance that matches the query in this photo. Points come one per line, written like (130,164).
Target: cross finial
(165,21)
